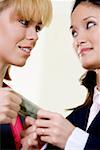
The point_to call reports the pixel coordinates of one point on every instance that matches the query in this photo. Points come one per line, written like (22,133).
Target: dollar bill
(27,108)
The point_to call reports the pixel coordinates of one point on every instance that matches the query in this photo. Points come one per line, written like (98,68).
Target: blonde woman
(20,22)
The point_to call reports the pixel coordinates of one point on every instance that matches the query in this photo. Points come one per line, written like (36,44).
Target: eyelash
(38,28)
(73,33)
(89,25)
(26,23)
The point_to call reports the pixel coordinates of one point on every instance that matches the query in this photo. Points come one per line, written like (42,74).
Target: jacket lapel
(94,127)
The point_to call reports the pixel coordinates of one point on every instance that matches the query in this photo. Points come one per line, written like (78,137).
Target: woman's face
(85,26)
(17,37)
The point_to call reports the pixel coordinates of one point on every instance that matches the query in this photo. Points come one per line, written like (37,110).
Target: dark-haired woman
(81,129)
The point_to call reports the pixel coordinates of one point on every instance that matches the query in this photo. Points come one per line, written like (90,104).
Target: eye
(74,33)
(90,24)
(38,28)
(24,22)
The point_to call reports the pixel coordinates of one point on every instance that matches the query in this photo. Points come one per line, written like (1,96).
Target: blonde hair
(31,10)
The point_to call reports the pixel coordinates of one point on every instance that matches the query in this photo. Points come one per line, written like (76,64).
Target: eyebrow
(88,18)
(40,23)
(83,20)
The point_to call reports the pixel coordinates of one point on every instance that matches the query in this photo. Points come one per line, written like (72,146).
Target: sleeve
(79,119)
(77,140)
(44,146)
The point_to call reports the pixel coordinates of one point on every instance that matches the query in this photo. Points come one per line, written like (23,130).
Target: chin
(90,67)
(19,64)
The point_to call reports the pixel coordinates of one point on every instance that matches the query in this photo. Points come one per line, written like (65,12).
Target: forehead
(84,10)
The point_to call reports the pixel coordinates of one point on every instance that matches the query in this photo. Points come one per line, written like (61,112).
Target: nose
(31,34)
(81,39)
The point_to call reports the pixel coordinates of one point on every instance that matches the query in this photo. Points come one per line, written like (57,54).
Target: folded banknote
(27,108)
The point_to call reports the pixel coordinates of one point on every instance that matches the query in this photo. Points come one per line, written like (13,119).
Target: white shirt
(78,138)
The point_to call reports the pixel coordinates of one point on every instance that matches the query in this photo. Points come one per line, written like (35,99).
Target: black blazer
(79,118)
(6,136)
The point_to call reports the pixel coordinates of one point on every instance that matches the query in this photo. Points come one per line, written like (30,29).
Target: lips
(83,51)
(25,49)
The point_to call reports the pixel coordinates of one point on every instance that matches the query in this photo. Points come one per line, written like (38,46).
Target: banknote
(27,108)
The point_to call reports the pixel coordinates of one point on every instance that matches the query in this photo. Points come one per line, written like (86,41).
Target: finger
(43,131)
(8,112)
(16,97)
(46,139)
(7,100)
(14,107)
(4,119)
(43,123)
(9,105)
(30,129)
(12,114)
(29,121)
(45,114)
(30,140)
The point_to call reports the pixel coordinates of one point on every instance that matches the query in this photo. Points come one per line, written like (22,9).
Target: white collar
(96,96)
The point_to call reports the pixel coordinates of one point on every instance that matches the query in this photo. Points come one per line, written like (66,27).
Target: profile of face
(85,28)
(17,37)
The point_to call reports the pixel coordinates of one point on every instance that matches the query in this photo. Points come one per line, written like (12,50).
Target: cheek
(95,38)
(4,42)
(97,43)
(16,35)
(13,34)
(10,39)
(75,47)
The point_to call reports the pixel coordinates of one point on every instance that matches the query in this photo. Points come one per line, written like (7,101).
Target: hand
(53,128)
(30,140)
(9,105)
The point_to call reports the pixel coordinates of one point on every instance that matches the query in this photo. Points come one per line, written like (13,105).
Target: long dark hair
(89,78)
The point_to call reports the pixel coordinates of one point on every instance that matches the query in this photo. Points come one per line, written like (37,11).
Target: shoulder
(79,115)
(79,110)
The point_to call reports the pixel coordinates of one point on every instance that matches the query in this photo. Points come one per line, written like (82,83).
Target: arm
(61,130)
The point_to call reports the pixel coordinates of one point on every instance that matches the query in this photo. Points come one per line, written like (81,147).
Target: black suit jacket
(6,136)
(79,118)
